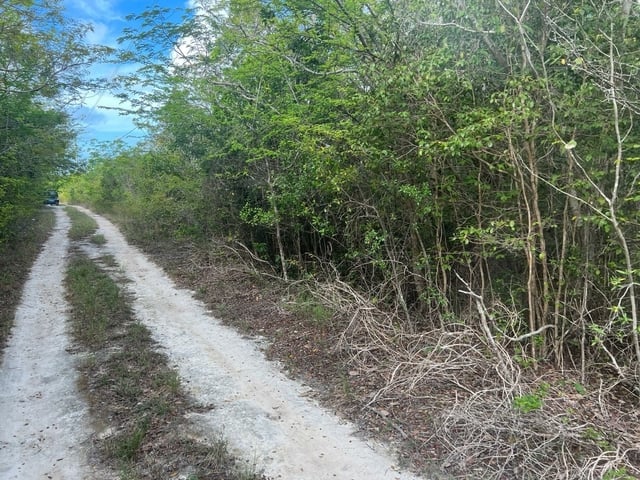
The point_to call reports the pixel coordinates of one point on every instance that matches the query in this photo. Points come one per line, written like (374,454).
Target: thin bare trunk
(276,219)
(613,201)
(558,316)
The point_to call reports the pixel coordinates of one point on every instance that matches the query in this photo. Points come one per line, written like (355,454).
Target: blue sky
(108,18)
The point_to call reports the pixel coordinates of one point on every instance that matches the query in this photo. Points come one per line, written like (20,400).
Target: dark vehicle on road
(51,198)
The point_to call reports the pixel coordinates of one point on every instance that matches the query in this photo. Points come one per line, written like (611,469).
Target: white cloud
(99,117)
(95,9)
(187,49)
(102,114)
(190,48)
(96,124)
(204,4)
(114,120)
(100,34)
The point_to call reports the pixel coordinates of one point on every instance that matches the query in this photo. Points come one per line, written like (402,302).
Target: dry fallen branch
(491,419)
(249,258)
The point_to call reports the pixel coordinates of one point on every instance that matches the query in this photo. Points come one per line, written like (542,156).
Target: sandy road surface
(266,418)
(44,429)
(262,414)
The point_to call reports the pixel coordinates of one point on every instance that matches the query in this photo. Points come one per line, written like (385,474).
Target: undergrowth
(485,416)
(457,402)
(455,398)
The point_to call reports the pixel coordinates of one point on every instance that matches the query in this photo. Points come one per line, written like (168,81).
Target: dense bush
(449,161)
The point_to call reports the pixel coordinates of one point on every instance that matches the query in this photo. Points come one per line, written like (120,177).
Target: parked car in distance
(51,198)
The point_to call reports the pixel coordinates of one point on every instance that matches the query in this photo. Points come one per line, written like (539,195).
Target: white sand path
(44,423)
(265,417)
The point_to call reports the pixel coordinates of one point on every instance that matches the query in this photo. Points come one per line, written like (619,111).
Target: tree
(41,60)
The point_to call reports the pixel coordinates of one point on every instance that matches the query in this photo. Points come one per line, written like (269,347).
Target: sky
(108,18)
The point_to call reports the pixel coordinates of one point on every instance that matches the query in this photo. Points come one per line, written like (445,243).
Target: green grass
(128,443)
(108,261)
(82,225)
(98,239)
(98,302)
(311,310)
(17,255)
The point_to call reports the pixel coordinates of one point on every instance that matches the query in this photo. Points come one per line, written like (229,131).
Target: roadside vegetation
(17,254)
(134,397)
(444,196)
(453,186)
(405,388)
(43,59)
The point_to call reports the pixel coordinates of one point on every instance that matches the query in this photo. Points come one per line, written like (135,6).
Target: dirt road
(44,425)
(267,418)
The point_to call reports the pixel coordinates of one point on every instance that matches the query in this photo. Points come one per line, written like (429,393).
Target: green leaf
(580,388)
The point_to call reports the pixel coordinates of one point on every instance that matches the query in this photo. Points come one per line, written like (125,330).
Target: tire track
(44,423)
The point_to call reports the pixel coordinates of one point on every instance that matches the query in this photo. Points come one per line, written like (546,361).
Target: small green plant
(527,403)
(579,388)
(156,406)
(128,444)
(168,380)
(346,384)
(127,472)
(596,436)
(591,433)
(98,239)
(617,474)
(522,359)
(108,261)
(531,401)
(311,309)
(127,387)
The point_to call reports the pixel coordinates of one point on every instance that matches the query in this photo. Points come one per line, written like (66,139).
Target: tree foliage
(42,57)
(432,152)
